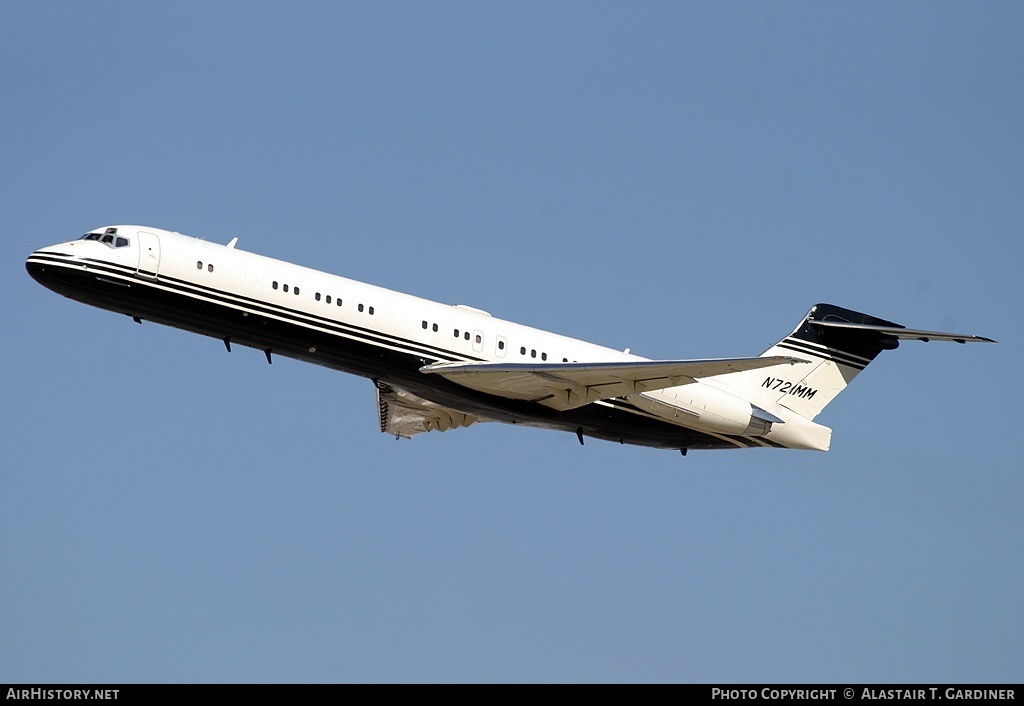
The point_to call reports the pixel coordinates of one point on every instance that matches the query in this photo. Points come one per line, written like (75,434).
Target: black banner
(850,693)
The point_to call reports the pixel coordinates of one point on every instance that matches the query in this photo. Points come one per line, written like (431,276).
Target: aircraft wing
(404,414)
(565,386)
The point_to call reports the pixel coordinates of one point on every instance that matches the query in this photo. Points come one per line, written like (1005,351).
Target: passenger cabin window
(199,266)
(274,285)
(284,287)
(328,298)
(317,296)
(209,268)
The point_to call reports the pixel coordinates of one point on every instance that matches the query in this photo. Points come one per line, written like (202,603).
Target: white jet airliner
(439,367)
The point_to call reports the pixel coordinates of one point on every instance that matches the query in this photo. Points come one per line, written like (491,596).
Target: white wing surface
(565,386)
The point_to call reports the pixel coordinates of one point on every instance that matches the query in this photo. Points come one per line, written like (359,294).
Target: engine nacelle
(706,408)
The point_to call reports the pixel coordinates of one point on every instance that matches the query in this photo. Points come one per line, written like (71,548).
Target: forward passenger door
(149,254)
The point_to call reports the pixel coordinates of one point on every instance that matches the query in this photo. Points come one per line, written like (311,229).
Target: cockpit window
(114,241)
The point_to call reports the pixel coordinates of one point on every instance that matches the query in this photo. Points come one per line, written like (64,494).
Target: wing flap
(404,414)
(564,386)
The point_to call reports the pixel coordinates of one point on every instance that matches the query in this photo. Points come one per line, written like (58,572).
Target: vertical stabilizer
(837,343)
(835,356)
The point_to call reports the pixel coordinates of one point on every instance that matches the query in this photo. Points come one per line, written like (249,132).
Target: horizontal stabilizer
(839,343)
(904,333)
(565,386)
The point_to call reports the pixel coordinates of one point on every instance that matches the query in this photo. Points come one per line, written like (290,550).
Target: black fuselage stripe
(289,315)
(276,309)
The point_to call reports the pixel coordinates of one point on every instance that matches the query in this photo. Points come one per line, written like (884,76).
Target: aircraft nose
(45,267)
(37,266)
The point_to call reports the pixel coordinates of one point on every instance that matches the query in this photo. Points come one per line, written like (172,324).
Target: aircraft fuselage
(438,366)
(289,310)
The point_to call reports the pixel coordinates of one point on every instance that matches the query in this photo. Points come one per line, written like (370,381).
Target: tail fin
(837,343)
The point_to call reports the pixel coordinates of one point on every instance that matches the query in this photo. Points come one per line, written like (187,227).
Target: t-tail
(837,344)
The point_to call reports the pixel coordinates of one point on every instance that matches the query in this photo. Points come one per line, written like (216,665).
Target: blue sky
(685,179)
